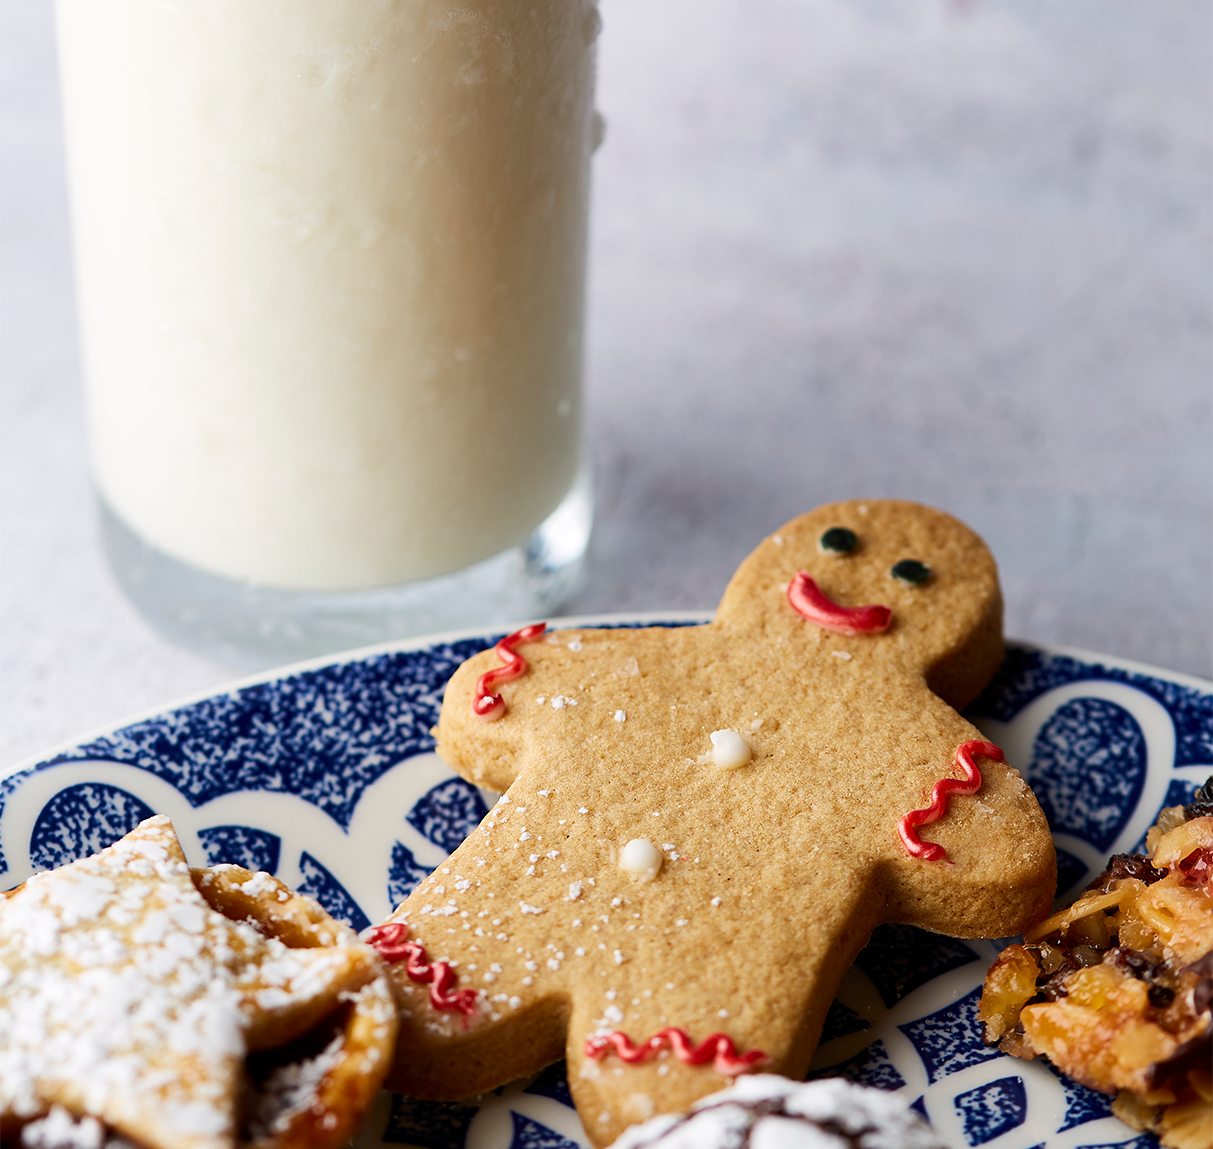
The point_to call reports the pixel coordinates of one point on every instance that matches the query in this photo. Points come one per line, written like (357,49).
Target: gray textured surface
(957,252)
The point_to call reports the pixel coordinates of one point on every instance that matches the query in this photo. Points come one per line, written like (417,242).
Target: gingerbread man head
(702,825)
(935,576)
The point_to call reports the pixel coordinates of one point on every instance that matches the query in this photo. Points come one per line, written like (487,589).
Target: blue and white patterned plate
(325,774)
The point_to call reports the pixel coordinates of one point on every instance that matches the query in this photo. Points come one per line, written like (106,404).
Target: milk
(330,260)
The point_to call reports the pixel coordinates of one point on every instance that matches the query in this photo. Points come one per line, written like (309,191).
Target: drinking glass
(331,264)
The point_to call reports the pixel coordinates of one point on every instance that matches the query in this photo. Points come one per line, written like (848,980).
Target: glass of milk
(331,266)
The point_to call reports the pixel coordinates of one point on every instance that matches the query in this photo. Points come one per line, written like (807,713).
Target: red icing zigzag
(486,704)
(391,940)
(717,1048)
(971,783)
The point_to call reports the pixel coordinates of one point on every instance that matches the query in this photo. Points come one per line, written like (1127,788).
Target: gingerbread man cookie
(701,826)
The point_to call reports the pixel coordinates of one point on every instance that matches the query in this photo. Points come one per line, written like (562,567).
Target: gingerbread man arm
(583,683)
(485,753)
(997,873)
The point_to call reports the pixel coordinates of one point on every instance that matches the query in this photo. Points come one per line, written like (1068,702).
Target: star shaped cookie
(128,998)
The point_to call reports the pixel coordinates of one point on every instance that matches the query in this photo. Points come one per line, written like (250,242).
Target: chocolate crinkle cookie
(765,1111)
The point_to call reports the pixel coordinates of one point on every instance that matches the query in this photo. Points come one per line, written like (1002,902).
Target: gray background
(951,251)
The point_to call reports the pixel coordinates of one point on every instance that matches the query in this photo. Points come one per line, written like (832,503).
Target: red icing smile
(809,601)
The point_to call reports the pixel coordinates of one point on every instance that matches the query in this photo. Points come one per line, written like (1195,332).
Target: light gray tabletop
(951,251)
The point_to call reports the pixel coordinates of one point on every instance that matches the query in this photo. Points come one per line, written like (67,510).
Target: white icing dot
(729,749)
(842,655)
(641,859)
(574,891)
(620,716)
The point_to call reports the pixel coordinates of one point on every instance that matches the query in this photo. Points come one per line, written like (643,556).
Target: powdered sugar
(129,997)
(60,1130)
(765,1111)
(290,1089)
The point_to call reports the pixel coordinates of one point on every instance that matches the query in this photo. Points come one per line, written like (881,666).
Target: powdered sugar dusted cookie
(182,1010)
(701,826)
(771,1112)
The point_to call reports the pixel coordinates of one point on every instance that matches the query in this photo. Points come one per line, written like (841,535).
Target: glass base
(257,627)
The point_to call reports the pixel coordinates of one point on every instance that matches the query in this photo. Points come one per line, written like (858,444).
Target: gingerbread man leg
(574,960)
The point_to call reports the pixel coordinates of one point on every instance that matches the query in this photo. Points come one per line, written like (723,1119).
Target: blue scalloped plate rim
(305,771)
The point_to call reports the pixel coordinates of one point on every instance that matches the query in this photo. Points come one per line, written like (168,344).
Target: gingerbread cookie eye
(911,571)
(838,541)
